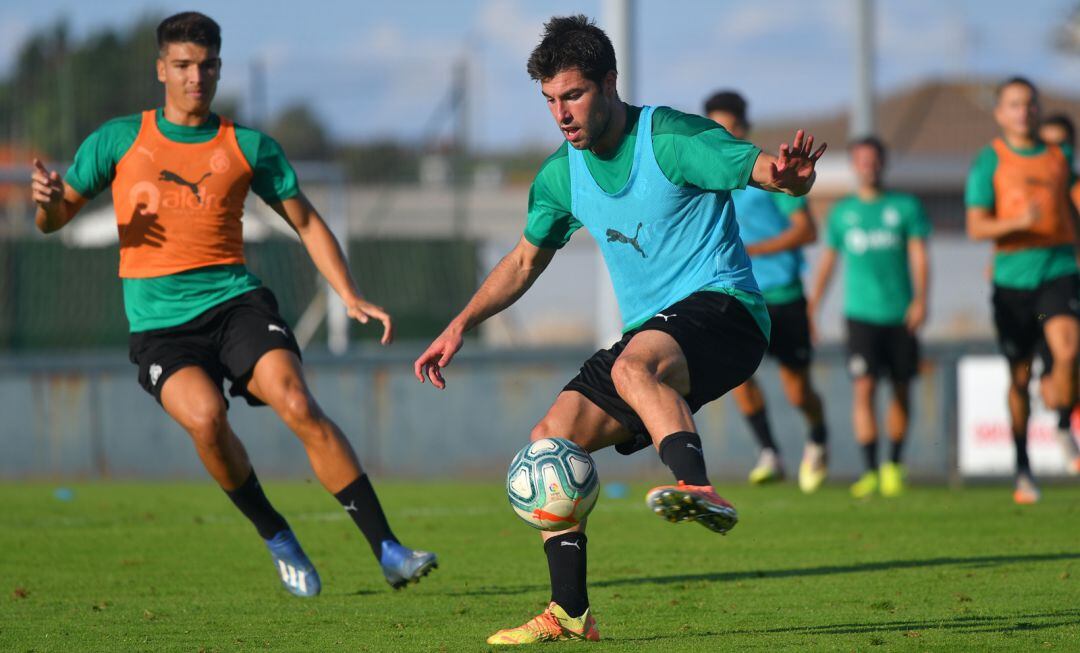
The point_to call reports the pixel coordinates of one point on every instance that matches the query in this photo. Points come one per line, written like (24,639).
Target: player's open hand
(363,312)
(438,356)
(47,188)
(794,166)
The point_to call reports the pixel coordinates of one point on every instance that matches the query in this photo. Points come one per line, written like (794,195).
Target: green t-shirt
(166,301)
(872,238)
(1024,269)
(690,150)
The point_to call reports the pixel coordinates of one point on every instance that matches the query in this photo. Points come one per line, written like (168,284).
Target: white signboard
(986,444)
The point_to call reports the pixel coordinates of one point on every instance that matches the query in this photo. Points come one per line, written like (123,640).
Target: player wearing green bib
(179,176)
(1019,196)
(881,237)
(775,227)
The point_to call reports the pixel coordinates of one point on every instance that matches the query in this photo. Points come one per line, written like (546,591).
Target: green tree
(301,133)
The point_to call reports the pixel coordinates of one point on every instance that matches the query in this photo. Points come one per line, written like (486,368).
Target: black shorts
(1019,315)
(225,341)
(789,343)
(722,343)
(882,351)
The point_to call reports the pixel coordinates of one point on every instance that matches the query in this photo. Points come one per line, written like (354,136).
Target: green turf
(160,567)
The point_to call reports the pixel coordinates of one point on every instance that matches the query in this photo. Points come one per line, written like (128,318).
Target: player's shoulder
(556,164)
(845,202)
(986,157)
(668,121)
(900,197)
(120,126)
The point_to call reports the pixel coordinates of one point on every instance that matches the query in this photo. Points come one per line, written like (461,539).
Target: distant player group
(700,230)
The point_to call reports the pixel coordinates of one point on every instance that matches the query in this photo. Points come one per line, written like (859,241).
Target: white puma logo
(576,544)
(666,317)
(351,507)
(274,327)
(690,446)
(147,151)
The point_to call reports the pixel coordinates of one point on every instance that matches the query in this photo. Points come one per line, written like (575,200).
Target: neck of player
(613,135)
(1021,140)
(184,117)
(869,193)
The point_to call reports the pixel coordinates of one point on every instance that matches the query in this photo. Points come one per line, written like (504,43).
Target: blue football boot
(297,573)
(401,565)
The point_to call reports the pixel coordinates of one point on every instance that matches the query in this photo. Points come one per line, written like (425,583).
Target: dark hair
(572,42)
(1066,124)
(189,27)
(727,102)
(869,141)
(1016,80)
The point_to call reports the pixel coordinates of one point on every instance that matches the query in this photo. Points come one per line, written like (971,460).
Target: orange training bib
(1042,180)
(179,205)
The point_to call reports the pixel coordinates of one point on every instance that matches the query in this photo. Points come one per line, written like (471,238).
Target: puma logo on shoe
(168,175)
(576,544)
(280,329)
(616,236)
(666,317)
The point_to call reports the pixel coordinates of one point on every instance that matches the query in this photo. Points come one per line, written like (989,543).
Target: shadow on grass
(973,562)
(964,624)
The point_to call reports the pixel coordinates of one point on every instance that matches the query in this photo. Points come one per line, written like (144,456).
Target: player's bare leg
(801,394)
(864,421)
(191,398)
(278,380)
(1062,334)
(1019,411)
(751,403)
(896,421)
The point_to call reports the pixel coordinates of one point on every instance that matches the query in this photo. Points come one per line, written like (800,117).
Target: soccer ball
(552,484)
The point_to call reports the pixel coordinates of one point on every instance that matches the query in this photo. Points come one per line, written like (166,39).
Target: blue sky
(374,69)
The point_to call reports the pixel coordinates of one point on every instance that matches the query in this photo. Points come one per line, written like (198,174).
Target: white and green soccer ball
(552,484)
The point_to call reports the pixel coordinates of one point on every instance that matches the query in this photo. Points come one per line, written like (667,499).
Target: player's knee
(628,374)
(207,425)
(298,407)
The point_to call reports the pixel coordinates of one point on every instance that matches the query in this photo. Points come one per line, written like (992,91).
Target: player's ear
(160,62)
(609,84)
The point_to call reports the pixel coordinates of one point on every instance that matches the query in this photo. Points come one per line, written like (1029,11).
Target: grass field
(160,567)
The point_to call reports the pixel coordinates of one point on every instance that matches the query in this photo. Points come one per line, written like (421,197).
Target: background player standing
(774,227)
(881,235)
(652,186)
(1018,196)
(179,176)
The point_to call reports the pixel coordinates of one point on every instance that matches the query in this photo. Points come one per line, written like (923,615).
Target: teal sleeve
(979,191)
(273,178)
(787,203)
(834,236)
(94,166)
(550,223)
(918,223)
(695,151)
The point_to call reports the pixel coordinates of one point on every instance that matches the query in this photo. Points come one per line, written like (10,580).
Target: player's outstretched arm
(822,278)
(508,281)
(325,252)
(791,171)
(982,224)
(800,232)
(57,203)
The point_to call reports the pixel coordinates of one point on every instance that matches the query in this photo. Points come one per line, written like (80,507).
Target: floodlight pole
(618,22)
(862,106)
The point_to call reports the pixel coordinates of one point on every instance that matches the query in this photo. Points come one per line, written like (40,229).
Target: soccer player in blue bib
(774,228)
(653,187)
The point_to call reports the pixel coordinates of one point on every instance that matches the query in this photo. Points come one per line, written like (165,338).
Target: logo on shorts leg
(280,329)
(857,365)
(155,374)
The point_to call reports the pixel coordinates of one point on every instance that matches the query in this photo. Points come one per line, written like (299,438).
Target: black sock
(869,452)
(359,500)
(818,433)
(1065,419)
(759,424)
(566,565)
(252,501)
(896,448)
(681,452)
(1022,464)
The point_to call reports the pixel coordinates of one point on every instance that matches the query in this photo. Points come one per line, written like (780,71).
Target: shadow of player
(143,230)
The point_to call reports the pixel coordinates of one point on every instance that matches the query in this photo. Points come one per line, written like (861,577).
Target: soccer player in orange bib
(179,176)
(1018,196)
